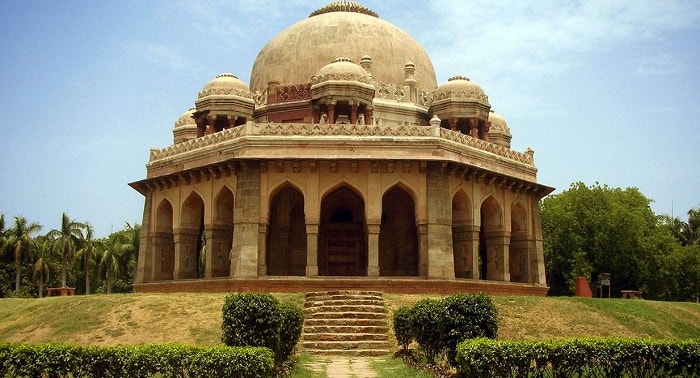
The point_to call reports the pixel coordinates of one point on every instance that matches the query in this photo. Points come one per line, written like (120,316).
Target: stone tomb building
(343,165)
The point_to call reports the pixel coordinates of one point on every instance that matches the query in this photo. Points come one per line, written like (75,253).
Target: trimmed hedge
(439,325)
(610,357)
(55,361)
(259,319)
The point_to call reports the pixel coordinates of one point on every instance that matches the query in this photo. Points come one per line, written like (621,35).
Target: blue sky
(603,91)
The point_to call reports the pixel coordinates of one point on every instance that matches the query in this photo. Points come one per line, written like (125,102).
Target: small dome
(461,87)
(498,123)
(225,84)
(185,127)
(341,69)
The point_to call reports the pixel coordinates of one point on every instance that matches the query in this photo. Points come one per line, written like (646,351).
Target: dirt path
(342,367)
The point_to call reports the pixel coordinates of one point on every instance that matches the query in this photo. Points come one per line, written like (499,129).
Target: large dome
(343,29)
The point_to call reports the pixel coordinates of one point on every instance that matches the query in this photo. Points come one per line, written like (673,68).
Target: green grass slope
(195,319)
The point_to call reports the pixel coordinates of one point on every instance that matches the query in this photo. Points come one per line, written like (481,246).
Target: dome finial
(344,6)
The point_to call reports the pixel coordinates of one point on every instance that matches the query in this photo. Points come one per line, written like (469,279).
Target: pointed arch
(464,236)
(163,242)
(491,264)
(191,238)
(342,238)
(286,233)
(518,249)
(218,237)
(398,235)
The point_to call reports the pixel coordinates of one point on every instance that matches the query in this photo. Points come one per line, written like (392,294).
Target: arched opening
(191,235)
(286,234)
(518,254)
(491,264)
(463,236)
(398,236)
(342,234)
(163,243)
(219,238)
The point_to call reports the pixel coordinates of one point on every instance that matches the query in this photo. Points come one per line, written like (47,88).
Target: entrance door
(342,241)
(344,246)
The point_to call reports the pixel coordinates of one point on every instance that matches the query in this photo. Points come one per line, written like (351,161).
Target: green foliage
(598,229)
(402,327)
(579,357)
(466,316)
(290,331)
(51,360)
(425,321)
(258,319)
(251,319)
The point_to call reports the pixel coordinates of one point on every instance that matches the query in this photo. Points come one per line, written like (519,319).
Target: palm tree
(112,252)
(67,239)
(41,269)
(21,241)
(3,235)
(87,252)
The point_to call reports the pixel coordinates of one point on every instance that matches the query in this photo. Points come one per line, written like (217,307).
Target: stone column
(218,242)
(537,273)
(353,112)
(185,254)
(373,249)
(485,126)
(440,255)
(474,127)
(232,121)
(422,249)
(465,239)
(497,256)
(201,126)
(453,123)
(368,115)
(246,218)
(144,265)
(330,105)
(312,248)
(212,124)
(162,246)
(262,249)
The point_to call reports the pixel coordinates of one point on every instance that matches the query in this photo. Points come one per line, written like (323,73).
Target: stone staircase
(348,323)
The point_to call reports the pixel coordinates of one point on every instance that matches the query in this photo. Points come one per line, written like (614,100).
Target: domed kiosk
(343,165)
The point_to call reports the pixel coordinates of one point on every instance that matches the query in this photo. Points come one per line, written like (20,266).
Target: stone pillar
(312,248)
(330,106)
(537,273)
(422,249)
(466,250)
(497,256)
(162,245)
(201,126)
(368,115)
(212,124)
(185,253)
(232,121)
(246,217)
(144,265)
(353,112)
(262,249)
(440,256)
(373,249)
(474,127)
(218,242)
(484,131)
(453,123)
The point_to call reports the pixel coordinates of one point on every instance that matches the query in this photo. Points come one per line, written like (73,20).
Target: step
(345,337)
(345,322)
(382,329)
(344,302)
(346,315)
(344,308)
(341,296)
(350,352)
(345,345)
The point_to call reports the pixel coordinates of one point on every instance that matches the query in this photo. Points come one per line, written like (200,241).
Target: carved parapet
(303,129)
(467,140)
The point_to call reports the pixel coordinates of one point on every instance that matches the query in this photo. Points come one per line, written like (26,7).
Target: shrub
(466,316)
(292,322)
(425,319)
(402,327)
(251,319)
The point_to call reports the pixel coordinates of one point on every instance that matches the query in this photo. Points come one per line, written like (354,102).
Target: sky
(602,91)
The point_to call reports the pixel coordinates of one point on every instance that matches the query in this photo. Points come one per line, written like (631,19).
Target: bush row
(579,357)
(259,319)
(439,325)
(57,361)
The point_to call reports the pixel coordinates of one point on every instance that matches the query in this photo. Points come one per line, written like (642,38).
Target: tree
(87,252)
(3,235)
(597,229)
(21,241)
(41,269)
(113,249)
(66,239)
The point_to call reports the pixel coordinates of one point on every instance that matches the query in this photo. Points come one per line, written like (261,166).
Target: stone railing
(309,130)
